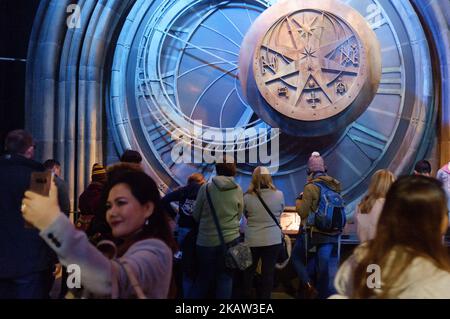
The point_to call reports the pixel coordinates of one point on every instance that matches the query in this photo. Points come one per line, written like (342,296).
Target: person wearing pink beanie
(307,203)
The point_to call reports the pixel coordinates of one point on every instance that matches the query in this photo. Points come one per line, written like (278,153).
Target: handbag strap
(268,210)
(216,219)
(133,280)
(131,277)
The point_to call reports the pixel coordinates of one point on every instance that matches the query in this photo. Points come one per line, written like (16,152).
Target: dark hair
(423,167)
(50,163)
(130,156)
(196,178)
(18,142)
(117,169)
(226,169)
(409,226)
(145,190)
(113,172)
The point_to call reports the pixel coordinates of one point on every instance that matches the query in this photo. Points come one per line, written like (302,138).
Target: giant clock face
(177,62)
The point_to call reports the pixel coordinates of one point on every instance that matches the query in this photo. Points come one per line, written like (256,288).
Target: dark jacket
(309,202)
(63,195)
(90,201)
(185,196)
(22,251)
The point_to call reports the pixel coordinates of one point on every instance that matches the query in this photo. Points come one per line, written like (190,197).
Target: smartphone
(40,184)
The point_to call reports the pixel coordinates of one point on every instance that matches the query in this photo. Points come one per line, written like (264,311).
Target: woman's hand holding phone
(41,211)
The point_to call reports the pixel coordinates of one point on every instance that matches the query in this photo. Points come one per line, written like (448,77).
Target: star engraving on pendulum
(308,53)
(306,29)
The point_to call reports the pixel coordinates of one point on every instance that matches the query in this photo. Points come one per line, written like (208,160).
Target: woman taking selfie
(407,257)
(143,266)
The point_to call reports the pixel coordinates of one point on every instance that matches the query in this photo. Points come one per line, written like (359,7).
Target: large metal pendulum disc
(310,68)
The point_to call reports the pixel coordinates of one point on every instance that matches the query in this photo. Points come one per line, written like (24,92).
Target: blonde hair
(380,183)
(261,178)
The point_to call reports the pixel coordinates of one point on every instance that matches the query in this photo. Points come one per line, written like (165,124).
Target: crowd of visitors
(192,243)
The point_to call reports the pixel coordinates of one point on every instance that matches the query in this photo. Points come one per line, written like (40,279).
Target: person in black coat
(26,262)
(92,218)
(185,197)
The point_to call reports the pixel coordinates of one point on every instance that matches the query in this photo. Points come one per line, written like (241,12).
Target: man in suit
(26,262)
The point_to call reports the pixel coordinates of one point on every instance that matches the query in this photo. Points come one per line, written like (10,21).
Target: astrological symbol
(341,88)
(349,55)
(283,91)
(313,99)
(272,64)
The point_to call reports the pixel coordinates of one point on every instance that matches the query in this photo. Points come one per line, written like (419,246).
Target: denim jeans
(187,281)
(33,286)
(299,258)
(323,260)
(321,263)
(181,234)
(212,274)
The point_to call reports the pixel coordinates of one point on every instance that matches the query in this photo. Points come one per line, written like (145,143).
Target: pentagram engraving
(309,65)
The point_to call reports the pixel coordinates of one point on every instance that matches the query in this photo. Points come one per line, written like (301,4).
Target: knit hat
(98,172)
(316,163)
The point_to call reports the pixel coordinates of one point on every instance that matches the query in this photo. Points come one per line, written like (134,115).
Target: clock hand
(197,47)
